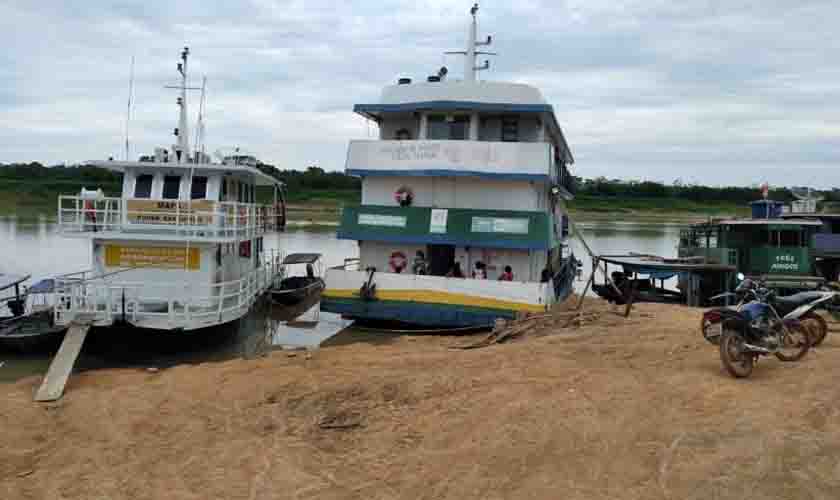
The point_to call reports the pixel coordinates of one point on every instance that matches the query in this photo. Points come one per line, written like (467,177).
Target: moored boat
(463,215)
(182,248)
(291,289)
(776,250)
(29,324)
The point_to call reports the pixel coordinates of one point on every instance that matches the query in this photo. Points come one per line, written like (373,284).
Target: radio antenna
(199,127)
(128,109)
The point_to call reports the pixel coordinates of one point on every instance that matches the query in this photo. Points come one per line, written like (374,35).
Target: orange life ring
(398,262)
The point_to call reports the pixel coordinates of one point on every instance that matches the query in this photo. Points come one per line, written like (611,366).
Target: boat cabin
(463,173)
(757,247)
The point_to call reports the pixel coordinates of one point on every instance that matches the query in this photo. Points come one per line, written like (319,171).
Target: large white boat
(181,249)
(467,178)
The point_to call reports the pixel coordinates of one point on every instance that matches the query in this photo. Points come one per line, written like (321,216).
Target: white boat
(181,248)
(472,174)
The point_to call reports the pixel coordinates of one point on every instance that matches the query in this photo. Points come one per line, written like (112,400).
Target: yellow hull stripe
(437,297)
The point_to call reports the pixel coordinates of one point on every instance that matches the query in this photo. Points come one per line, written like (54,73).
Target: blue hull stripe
(414,313)
(443,172)
(453,105)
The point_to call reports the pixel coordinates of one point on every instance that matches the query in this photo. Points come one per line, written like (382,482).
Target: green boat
(778,250)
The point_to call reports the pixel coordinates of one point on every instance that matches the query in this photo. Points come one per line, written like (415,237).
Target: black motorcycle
(757,328)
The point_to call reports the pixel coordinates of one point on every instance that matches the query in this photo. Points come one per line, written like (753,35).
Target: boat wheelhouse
(468,179)
(825,241)
(181,249)
(766,246)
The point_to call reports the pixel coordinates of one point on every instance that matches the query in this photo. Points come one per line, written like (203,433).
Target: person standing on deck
(480,272)
(507,275)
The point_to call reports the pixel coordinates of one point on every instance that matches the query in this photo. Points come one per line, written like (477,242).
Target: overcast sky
(729,92)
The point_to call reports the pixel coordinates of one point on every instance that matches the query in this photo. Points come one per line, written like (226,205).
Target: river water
(34,247)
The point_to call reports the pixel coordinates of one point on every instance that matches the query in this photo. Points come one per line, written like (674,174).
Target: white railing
(159,305)
(198,219)
(529,158)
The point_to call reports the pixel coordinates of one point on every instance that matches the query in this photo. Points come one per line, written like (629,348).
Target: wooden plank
(53,384)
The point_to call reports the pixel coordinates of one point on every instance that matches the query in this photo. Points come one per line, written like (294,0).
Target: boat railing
(350,264)
(160,304)
(197,219)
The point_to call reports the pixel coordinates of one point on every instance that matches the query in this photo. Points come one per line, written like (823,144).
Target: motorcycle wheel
(817,327)
(737,362)
(795,343)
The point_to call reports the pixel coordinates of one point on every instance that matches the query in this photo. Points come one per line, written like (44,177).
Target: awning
(458,227)
(301,258)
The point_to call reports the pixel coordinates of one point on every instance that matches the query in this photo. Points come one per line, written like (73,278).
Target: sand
(634,408)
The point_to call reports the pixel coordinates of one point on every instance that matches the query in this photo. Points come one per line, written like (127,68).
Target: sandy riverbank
(632,408)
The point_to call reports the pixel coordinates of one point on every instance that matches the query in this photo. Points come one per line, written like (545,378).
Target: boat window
(452,128)
(510,129)
(402,135)
(199,188)
(171,187)
(223,190)
(789,238)
(143,186)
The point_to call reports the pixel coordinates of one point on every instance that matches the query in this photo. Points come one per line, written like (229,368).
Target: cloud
(737,91)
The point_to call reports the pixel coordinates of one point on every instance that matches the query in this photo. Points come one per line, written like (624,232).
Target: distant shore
(314,209)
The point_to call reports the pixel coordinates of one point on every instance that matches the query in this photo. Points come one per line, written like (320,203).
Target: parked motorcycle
(710,323)
(756,328)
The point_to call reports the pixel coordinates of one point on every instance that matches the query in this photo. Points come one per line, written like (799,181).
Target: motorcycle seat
(793,301)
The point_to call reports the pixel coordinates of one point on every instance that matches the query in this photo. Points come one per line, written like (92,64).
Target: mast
(471,54)
(183,131)
(182,148)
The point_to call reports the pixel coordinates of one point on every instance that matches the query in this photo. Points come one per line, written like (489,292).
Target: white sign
(499,225)
(381,220)
(530,158)
(437,223)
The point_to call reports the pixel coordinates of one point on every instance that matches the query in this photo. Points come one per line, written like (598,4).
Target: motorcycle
(710,325)
(756,328)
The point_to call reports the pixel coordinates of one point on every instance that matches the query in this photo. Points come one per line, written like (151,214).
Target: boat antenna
(128,110)
(199,128)
(182,148)
(471,54)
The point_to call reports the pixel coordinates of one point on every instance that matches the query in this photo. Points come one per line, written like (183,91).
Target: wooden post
(588,284)
(631,297)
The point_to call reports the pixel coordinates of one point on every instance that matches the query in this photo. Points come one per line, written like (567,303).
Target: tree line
(603,187)
(315,178)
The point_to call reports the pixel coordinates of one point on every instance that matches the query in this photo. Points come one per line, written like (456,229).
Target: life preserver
(398,262)
(404,196)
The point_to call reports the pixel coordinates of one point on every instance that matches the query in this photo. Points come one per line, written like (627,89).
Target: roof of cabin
(301,258)
(769,222)
(458,95)
(261,177)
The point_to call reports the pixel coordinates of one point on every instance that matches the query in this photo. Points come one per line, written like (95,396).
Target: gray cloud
(714,92)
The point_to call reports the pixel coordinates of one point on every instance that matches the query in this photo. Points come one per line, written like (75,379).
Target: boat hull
(438,302)
(31,333)
(298,295)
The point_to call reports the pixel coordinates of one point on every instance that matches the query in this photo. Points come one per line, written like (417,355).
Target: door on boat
(441,259)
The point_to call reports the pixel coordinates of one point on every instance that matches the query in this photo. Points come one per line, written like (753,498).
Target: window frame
(137,181)
(163,191)
(203,194)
